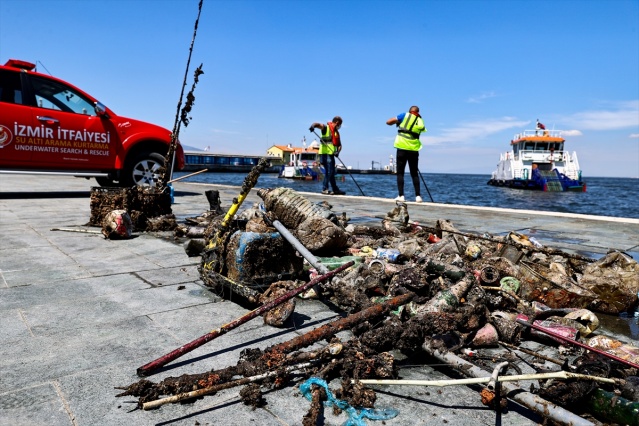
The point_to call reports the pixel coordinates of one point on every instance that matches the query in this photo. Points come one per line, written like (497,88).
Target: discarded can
(566,332)
(390,255)
(473,251)
(510,284)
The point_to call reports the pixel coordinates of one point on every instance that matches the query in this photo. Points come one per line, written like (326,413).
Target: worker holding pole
(330,147)
(409,126)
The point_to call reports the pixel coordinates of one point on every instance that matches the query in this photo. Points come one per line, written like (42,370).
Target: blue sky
(480,71)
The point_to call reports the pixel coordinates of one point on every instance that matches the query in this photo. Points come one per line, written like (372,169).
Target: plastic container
(335,262)
(390,255)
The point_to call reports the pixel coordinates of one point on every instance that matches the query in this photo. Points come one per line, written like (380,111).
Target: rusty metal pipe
(330,329)
(145,370)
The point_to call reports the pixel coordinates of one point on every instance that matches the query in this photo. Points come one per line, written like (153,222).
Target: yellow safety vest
(327,147)
(408,133)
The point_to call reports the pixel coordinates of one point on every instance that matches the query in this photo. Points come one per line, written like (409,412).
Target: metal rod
(576,343)
(425,186)
(479,380)
(527,399)
(145,370)
(345,168)
(189,175)
(321,268)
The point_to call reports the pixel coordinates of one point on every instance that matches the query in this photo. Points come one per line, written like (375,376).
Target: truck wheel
(144,170)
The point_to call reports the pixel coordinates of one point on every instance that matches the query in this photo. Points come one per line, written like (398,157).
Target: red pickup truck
(49,126)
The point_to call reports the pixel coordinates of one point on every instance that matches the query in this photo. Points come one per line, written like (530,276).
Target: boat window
(530,146)
(542,146)
(516,149)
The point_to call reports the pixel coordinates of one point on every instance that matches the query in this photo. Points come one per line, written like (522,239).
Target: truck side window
(10,87)
(53,95)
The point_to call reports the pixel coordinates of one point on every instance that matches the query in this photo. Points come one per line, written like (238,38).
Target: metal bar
(527,399)
(184,177)
(576,343)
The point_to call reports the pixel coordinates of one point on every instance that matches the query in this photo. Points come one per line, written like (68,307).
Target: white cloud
(571,133)
(620,116)
(634,136)
(479,99)
(474,130)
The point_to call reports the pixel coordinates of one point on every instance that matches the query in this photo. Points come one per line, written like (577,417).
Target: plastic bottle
(535,243)
(292,208)
(335,262)
(447,300)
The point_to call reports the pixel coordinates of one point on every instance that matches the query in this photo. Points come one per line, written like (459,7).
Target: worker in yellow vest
(330,147)
(409,126)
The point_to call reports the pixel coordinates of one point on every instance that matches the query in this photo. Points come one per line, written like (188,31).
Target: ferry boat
(538,160)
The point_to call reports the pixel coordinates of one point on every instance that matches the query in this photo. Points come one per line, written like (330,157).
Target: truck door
(67,131)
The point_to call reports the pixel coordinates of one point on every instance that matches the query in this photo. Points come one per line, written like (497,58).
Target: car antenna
(45,68)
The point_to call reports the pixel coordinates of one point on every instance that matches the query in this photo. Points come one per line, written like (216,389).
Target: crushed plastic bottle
(390,255)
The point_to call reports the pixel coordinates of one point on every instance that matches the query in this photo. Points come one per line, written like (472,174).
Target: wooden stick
(477,380)
(86,231)
(184,177)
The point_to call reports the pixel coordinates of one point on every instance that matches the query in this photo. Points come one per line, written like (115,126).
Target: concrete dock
(79,313)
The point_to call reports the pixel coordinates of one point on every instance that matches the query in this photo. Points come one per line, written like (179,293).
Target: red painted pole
(575,342)
(145,370)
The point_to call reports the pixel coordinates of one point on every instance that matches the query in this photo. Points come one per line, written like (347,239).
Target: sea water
(617,197)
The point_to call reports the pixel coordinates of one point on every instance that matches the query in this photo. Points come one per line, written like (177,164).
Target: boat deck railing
(538,132)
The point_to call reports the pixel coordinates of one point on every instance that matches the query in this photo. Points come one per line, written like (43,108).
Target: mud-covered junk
(614,280)
(261,258)
(313,224)
(117,225)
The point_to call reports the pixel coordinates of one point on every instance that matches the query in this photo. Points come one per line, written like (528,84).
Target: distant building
(284,152)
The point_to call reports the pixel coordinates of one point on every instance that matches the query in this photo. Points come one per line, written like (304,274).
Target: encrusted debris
(412,284)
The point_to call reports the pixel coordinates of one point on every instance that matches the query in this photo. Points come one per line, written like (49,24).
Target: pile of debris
(120,211)
(409,289)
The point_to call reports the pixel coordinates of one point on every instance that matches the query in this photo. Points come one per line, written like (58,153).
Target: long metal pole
(145,370)
(425,186)
(534,402)
(345,168)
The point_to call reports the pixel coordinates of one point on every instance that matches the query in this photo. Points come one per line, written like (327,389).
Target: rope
(356,416)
